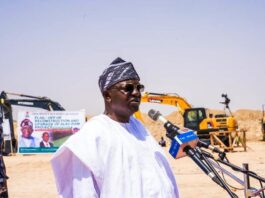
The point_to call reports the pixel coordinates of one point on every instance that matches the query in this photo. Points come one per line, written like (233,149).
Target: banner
(45,132)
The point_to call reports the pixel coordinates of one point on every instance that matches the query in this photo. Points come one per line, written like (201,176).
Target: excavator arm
(164,98)
(167,98)
(31,101)
(41,103)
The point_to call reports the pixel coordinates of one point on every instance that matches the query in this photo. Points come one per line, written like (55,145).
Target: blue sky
(197,49)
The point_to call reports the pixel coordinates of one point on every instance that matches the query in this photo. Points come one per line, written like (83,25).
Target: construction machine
(27,101)
(197,119)
(10,145)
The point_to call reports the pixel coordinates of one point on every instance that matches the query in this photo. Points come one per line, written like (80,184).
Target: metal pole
(246,181)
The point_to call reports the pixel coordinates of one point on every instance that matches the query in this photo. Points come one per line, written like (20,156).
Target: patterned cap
(26,123)
(119,70)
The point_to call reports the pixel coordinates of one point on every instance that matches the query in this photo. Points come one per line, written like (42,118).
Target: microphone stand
(197,156)
(245,171)
(236,168)
(220,180)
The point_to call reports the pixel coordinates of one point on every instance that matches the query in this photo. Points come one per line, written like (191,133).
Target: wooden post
(263,131)
(244,140)
(215,136)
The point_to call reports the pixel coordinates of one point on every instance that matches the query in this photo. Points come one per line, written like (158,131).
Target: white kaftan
(111,159)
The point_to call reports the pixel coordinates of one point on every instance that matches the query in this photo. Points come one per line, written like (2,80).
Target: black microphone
(173,130)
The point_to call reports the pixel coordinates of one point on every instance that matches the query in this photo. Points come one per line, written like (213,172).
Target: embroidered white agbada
(110,159)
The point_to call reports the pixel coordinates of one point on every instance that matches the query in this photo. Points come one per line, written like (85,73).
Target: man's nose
(136,92)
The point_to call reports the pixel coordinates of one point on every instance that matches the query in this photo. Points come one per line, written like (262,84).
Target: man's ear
(107,96)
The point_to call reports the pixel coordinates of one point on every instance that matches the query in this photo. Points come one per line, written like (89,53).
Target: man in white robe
(113,155)
(26,139)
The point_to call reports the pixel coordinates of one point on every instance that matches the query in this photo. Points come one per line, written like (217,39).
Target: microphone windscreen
(154,114)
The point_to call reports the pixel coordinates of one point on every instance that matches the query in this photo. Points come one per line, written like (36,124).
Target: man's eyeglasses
(129,88)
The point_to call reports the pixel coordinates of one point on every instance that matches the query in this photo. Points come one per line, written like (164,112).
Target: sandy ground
(31,175)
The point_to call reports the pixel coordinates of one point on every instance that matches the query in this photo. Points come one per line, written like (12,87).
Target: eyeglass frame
(139,87)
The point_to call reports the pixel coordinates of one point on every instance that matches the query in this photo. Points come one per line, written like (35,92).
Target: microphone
(173,130)
(183,143)
(180,139)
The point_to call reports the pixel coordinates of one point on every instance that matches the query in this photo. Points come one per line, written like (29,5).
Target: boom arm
(169,99)
(42,103)
(165,98)
(36,102)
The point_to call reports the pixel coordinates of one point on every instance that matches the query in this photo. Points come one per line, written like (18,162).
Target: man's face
(45,137)
(125,97)
(26,131)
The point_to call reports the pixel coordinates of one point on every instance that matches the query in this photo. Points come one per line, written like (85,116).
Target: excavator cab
(193,118)
(198,120)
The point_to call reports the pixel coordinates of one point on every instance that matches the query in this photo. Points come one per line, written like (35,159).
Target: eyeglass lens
(131,87)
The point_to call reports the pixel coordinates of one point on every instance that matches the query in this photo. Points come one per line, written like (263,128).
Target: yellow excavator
(197,119)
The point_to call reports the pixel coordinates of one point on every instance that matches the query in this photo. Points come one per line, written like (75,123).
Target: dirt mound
(244,114)
(250,120)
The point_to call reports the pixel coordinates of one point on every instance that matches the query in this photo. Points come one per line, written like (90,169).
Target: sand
(31,175)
